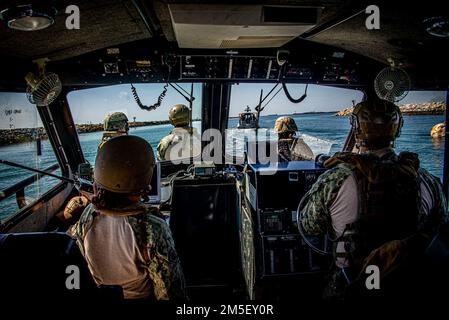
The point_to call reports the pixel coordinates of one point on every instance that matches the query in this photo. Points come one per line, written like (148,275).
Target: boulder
(429,108)
(438,130)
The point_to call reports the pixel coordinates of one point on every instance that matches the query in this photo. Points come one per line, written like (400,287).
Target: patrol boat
(247,119)
(234,225)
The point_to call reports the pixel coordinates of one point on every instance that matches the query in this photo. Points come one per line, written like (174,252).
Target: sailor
(290,148)
(369,201)
(123,240)
(115,124)
(183,141)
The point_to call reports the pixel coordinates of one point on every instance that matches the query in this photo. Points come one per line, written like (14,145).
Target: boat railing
(19,188)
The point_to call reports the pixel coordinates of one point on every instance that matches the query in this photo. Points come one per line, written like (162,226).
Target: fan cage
(392,84)
(46,91)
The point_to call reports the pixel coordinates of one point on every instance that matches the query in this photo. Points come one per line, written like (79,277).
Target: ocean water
(323,132)
(327,128)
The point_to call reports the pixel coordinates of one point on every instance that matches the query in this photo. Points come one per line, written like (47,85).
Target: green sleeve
(174,272)
(79,229)
(165,266)
(438,215)
(314,207)
(163,146)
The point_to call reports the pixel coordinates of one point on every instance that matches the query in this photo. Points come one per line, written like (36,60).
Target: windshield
(317,125)
(89,108)
(323,120)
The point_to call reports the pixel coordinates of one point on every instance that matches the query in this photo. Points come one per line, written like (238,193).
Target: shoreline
(24,135)
(409,109)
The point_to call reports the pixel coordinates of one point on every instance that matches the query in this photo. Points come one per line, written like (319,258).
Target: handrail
(19,186)
(446,148)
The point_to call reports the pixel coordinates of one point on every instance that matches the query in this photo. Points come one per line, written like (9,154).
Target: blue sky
(91,105)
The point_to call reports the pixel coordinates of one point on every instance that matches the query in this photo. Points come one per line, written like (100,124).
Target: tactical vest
(284,152)
(389,202)
(294,149)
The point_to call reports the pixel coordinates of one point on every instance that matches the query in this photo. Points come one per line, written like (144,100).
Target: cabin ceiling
(110,23)
(103,23)
(401,36)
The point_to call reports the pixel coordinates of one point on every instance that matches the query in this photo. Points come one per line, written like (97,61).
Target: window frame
(49,126)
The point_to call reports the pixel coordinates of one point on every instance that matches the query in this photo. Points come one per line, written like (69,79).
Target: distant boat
(247,119)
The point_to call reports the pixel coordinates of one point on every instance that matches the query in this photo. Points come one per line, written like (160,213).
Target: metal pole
(145,18)
(330,24)
(258,110)
(257,126)
(191,106)
(446,150)
(12,164)
(191,122)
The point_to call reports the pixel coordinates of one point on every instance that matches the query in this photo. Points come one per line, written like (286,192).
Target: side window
(323,118)
(423,130)
(23,140)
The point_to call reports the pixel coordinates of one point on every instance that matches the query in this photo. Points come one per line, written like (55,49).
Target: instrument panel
(267,68)
(228,67)
(140,64)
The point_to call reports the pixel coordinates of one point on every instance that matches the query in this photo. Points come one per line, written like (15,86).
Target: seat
(204,225)
(35,266)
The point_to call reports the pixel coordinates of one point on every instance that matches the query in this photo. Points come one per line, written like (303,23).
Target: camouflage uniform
(114,125)
(289,147)
(294,149)
(183,135)
(108,135)
(316,216)
(157,247)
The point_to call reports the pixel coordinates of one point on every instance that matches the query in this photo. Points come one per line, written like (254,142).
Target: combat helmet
(179,115)
(124,164)
(285,124)
(115,121)
(376,123)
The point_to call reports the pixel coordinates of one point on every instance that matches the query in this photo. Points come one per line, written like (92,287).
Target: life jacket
(293,149)
(300,151)
(182,142)
(389,202)
(284,152)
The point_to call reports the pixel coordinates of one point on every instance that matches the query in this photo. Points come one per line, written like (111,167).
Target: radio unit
(288,255)
(280,185)
(272,194)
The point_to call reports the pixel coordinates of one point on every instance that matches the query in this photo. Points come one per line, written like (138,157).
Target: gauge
(111,67)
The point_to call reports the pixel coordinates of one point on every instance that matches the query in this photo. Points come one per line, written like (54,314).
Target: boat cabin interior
(234,225)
